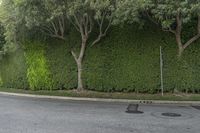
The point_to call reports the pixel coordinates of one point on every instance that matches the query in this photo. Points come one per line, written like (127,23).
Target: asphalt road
(29,115)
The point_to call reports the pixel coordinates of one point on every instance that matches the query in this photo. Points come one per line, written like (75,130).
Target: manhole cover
(133,108)
(171,114)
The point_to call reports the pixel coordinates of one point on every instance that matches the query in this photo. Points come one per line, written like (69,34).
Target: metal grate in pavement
(133,109)
(171,114)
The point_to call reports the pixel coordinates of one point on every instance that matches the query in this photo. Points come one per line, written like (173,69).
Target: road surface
(29,115)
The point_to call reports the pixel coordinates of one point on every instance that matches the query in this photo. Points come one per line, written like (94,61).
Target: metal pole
(161,71)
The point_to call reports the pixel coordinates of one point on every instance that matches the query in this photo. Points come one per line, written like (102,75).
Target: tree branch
(150,18)
(198,25)
(76,27)
(61,26)
(54,27)
(85,23)
(169,30)
(74,55)
(109,24)
(91,25)
(196,37)
(59,37)
(101,32)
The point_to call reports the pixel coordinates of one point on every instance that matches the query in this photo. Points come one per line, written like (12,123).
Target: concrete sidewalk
(102,99)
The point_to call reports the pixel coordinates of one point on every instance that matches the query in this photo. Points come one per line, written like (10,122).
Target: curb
(101,99)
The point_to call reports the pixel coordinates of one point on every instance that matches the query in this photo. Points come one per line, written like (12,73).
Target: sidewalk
(101,99)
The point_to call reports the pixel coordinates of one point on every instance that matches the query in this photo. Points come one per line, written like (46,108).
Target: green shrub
(62,65)
(124,62)
(127,60)
(13,70)
(2,37)
(38,74)
(1,82)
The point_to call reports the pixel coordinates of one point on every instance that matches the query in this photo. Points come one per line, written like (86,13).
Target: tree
(172,15)
(128,11)
(83,15)
(49,16)
(8,13)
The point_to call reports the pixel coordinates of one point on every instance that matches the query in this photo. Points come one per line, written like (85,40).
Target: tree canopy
(172,15)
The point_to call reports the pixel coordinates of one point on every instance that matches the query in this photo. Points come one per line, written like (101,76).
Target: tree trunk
(178,34)
(180,52)
(79,61)
(180,45)
(80,82)
(178,31)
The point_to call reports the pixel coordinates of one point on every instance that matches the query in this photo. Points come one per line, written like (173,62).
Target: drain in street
(171,114)
(133,108)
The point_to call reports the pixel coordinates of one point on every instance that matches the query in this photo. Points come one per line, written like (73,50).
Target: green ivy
(1,82)
(13,70)
(125,61)
(38,74)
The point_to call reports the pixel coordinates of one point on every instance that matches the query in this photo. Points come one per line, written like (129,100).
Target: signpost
(161,71)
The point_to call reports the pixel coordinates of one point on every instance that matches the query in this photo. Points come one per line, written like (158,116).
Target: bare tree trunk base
(180,53)
(80,89)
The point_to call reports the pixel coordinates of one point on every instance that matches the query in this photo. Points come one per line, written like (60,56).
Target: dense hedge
(38,74)
(13,70)
(126,60)
(61,65)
